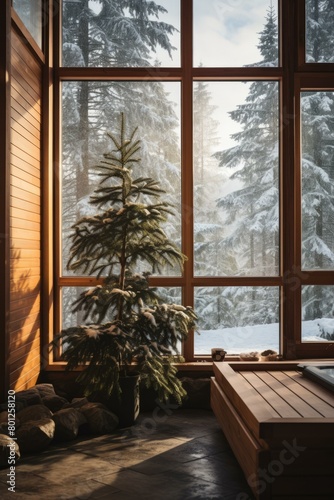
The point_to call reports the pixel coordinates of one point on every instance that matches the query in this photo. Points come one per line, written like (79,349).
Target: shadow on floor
(179,455)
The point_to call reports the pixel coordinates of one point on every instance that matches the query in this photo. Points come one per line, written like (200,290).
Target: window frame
(293,75)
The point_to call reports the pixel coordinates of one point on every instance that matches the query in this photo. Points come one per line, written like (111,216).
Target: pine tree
(319,31)
(317,163)
(121,33)
(210,260)
(255,205)
(207,178)
(252,211)
(127,320)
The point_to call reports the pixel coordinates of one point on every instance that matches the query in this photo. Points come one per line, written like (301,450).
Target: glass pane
(317,180)
(317,313)
(122,34)
(30,12)
(238,319)
(236,178)
(319,31)
(68,296)
(235,33)
(90,110)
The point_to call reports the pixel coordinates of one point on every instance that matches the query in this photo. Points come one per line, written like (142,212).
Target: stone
(36,435)
(3,417)
(28,397)
(100,419)
(68,422)
(45,390)
(9,451)
(13,420)
(54,402)
(76,403)
(36,412)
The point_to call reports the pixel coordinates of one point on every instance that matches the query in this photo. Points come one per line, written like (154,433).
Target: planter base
(126,407)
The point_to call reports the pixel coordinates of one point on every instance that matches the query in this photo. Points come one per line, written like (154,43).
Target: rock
(68,422)
(54,402)
(9,451)
(76,403)
(35,413)
(35,436)
(100,419)
(28,397)
(3,417)
(13,420)
(45,390)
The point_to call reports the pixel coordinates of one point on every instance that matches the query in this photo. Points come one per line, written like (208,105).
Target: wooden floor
(280,426)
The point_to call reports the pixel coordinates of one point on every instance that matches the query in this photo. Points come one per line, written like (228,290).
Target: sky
(225,31)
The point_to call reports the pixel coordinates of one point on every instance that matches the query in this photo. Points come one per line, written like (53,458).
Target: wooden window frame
(292,74)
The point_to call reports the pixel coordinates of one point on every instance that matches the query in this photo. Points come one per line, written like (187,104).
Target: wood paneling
(25,216)
(5,82)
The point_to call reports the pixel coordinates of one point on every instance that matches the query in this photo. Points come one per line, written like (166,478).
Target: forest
(236,182)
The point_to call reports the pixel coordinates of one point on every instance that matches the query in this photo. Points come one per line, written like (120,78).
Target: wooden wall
(25,215)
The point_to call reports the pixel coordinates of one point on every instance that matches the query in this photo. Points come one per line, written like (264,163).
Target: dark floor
(179,456)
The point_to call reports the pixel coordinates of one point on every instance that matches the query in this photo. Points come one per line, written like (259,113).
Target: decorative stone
(28,397)
(36,412)
(68,422)
(77,403)
(35,435)
(4,416)
(45,390)
(54,402)
(100,419)
(9,451)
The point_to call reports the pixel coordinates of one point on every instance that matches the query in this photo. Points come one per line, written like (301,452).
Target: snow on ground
(255,338)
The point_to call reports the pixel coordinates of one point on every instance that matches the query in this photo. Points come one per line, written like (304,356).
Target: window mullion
(290,216)
(186,159)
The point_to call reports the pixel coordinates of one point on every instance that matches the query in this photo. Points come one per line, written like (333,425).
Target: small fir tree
(129,323)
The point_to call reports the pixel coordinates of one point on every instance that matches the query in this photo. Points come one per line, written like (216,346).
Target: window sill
(204,365)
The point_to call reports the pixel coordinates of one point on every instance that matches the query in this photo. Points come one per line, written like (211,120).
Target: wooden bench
(280,426)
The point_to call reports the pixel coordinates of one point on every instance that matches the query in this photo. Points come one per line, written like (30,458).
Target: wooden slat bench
(280,426)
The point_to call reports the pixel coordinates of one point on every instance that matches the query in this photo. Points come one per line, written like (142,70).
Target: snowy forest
(236,187)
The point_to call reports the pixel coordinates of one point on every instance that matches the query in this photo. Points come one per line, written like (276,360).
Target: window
(30,13)
(319,31)
(249,172)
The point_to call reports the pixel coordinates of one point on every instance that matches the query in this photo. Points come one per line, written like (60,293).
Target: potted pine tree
(127,324)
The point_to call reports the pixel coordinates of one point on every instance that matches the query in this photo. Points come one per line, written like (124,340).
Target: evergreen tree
(117,33)
(319,31)
(207,180)
(114,33)
(318,163)
(127,320)
(251,212)
(210,260)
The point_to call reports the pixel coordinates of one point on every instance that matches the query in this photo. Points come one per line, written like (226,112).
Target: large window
(31,14)
(242,123)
